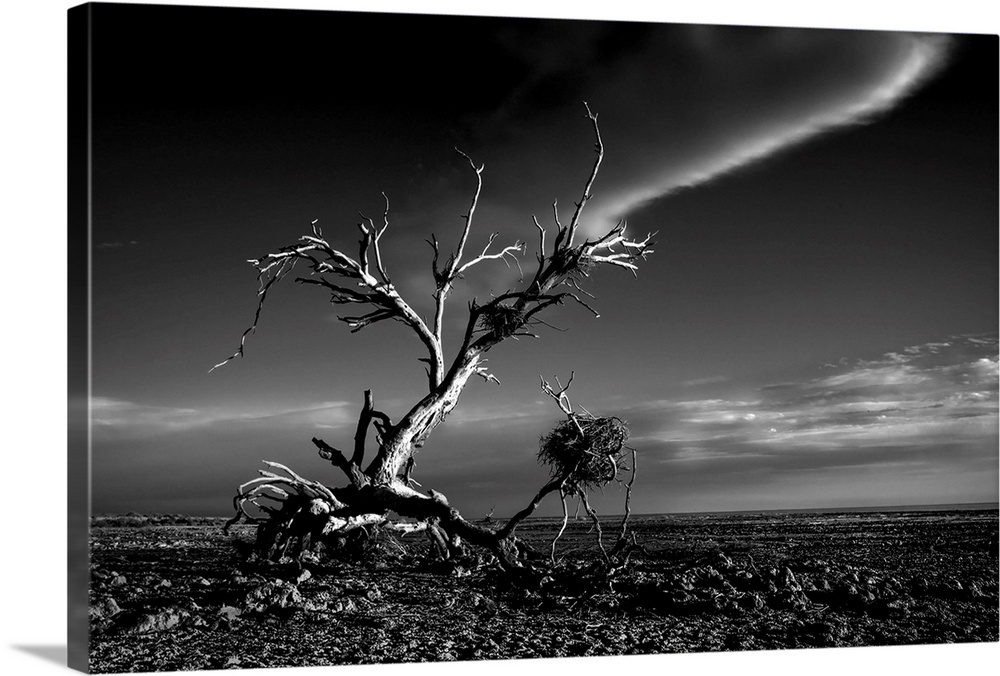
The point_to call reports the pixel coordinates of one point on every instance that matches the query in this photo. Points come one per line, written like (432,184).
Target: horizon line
(989,504)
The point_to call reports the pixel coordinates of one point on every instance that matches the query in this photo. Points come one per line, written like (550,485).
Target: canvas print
(424,338)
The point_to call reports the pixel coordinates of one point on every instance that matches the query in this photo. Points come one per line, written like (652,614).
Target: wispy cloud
(889,67)
(121,417)
(921,397)
(710,380)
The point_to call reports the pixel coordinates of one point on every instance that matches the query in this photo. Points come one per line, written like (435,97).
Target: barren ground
(169,595)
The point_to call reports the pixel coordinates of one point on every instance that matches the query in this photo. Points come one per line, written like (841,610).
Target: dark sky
(817,327)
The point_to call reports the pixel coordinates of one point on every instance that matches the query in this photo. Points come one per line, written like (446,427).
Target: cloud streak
(924,398)
(906,62)
(119,417)
(915,426)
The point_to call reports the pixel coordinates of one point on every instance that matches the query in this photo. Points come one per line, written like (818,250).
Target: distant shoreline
(153,519)
(875,509)
(943,507)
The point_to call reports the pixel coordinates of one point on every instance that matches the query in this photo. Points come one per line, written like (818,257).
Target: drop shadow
(49,653)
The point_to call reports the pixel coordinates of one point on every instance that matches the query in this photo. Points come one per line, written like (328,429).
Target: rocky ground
(175,594)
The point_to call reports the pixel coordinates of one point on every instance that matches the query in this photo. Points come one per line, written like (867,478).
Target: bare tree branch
(514,521)
(562,529)
(454,269)
(364,420)
(599,149)
(623,529)
(517,247)
(597,523)
(282,270)
(338,459)
(324,260)
(374,235)
(454,260)
(486,375)
(562,399)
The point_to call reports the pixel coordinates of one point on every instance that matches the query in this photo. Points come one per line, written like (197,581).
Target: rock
(793,600)
(165,619)
(230,613)
(849,596)
(118,581)
(224,617)
(789,578)
(325,601)
(104,609)
(343,605)
(274,595)
(711,577)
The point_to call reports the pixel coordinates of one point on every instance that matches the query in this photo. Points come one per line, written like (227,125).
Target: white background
(33,327)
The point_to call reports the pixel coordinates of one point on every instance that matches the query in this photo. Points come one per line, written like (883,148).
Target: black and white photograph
(431,337)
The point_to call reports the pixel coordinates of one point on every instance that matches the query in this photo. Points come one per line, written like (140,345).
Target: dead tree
(293,513)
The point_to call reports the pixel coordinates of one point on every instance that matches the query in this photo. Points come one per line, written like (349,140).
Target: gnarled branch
(376,291)
(337,458)
(454,269)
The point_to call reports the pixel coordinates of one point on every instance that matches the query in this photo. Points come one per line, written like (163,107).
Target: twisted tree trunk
(412,431)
